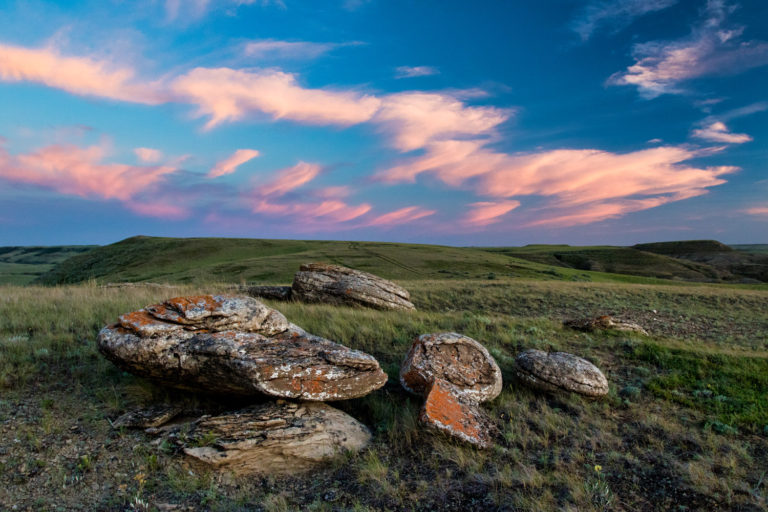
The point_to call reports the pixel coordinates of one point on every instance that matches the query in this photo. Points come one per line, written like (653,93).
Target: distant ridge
(683,247)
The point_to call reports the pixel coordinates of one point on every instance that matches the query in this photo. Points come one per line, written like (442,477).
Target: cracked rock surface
(447,410)
(236,345)
(455,358)
(277,437)
(552,371)
(334,284)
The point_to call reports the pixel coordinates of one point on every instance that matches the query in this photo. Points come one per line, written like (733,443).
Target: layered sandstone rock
(560,371)
(334,284)
(237,345)
(604,322)
(148,417)
(454,358)
(274,438)
(266,292)
(447,410)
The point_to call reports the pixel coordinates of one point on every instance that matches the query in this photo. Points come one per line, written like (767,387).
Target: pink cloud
(597,180)
(225,94)
(159,209)
(401,216)
(305,211)
(289,179)
(710,49)
(757,210)
(77,171)
(484,213)
(148,155)
(232,162)
(718,132)
(84,76)
(415,118)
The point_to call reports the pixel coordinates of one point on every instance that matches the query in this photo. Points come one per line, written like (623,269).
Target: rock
(448,411)
(277,437)
(266,292)
(604,322)
(334,284)
(236,345)
(454,358)
(148,417)
(560,371)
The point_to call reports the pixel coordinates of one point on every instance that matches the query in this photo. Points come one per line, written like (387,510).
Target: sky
(436,121)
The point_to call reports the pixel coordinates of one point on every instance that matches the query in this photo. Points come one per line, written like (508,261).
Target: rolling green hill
(22,265)
(197,260)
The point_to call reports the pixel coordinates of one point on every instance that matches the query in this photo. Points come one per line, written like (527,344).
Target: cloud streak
(415,71)
(232,162)
(711,49)
(718,132)
(276,49)
(614,15)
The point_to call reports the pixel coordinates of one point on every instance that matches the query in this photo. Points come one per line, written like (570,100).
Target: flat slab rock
(552,371)
(447,411)
(604,322)
(274,438)
(321,282)
(236,345)
(454,358)
(266,292)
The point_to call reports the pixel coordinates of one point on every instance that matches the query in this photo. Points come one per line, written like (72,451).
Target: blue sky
(496,123)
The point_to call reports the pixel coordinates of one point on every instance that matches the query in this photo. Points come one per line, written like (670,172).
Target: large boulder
(560,371)
(334,284)
(447,410)
(276,437)
(452,357)
(265,291)
(236,345)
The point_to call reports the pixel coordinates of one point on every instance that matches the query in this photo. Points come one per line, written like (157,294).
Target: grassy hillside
(684,427)
(618,260)
(201,260)
(22,265)
(194,260)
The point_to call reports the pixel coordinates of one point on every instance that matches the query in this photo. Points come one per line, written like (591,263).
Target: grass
(22,265)
(683,426)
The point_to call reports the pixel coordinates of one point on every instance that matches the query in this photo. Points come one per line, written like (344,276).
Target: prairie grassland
(685,426)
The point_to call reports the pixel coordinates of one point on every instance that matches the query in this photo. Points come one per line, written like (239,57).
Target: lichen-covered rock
(334,284)
(277,437)
(560,371)
(447,410)
(237,345)
(604,322)
(454,358)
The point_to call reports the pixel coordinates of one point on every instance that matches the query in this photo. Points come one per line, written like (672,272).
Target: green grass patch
(732,390)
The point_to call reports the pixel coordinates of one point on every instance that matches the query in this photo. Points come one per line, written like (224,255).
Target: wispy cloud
(232,162)
(81,172)
(711,49)
(401,216)
(414,71)
(84,76)
(225,94)
(274,199)
(761,211)
(580,184)
(275,49)
(193,10)
(614,15)
(148,155)
(718,132)
(486,212)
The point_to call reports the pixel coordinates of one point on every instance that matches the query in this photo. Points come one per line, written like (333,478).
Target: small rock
(334,284)
(266,292)
(448,411)
(604,322)
(152,416)
(560,371)
(274,438)
(236,345)
(452,357)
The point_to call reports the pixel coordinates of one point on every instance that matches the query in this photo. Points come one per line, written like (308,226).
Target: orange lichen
(194,301)
(445,409)
(137,319)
